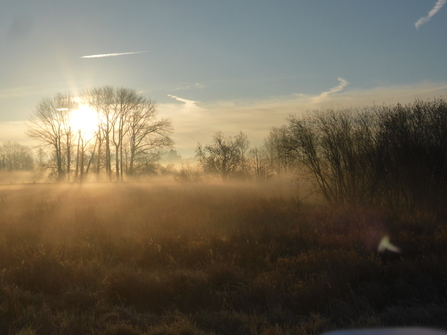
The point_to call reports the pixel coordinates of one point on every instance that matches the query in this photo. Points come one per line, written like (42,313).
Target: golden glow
(84,120)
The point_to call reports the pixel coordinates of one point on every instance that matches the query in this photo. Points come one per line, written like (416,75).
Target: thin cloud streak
(338,88)
(431,13)
(193,123)
(114,54)
(188,104)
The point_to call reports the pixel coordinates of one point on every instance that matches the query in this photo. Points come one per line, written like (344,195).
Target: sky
(233,65)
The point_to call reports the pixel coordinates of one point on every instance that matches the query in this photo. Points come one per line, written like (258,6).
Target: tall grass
(209,259)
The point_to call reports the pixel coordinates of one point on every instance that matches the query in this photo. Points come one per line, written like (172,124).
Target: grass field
(210,259)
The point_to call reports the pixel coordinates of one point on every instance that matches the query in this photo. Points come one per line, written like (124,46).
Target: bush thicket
(394,157)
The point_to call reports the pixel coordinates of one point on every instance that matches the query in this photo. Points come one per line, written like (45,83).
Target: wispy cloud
(342,84)
(114,54)
(431,13)
(188,103)
(189,107)
(197,122)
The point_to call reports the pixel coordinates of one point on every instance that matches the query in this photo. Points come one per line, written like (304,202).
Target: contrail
(113,55)
(427,18)
(188,104)
(342,84)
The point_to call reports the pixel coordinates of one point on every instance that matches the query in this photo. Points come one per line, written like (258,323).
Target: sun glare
(84,120)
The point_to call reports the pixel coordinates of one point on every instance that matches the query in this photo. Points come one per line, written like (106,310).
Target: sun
(84,120)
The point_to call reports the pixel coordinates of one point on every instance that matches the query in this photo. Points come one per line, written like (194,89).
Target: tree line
(16,157)
(391,156)
(129,140)
(388,156)
(232,158)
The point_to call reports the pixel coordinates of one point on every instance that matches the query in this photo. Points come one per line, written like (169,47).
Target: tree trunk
(117,165)
(108,158)
(81,179)
(98,165)
(68,156)
(60,170)
(77,157)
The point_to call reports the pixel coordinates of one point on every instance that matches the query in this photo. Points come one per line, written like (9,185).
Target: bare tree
(83,161)
(127,103)
(16,157)
(128,134)
(274,148)
(339,149)
(225,157)
(260,165)
(413,147)
(391,156)
(128,123)
(102,100)
(50,125)
(147,137)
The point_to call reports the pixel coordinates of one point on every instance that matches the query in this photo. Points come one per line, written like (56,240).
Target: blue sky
(222,65)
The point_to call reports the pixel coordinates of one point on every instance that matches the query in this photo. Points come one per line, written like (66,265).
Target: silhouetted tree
(391,156)
(225,157)
(50,125)
(16,157)
(338,149)
(129,124)
(129,133)
(276,152)
(102,100)
(260,164)
(413,146)
(147,137)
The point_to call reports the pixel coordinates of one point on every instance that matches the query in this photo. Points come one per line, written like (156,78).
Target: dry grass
(209,259)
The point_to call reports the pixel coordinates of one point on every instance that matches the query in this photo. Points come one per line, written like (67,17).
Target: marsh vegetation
(164,258)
